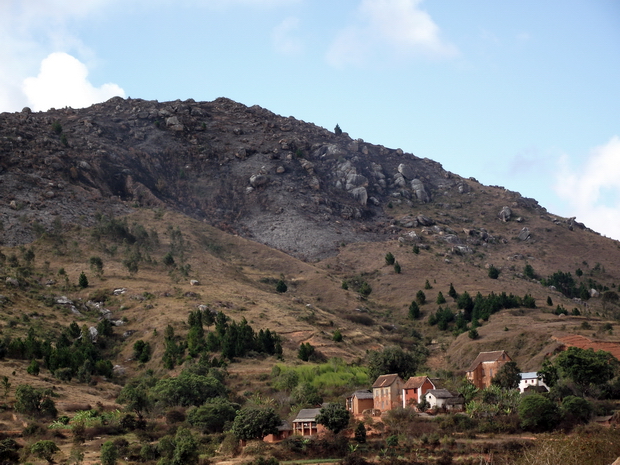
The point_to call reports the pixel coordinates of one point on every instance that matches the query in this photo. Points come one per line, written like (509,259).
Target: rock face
(283,182)
(505,214)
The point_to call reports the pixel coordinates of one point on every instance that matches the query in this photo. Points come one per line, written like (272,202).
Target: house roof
(417,381)
(285,426)
(440,393)
(307,414)
(487,357)
(362,394)
(529,375)
(385,380)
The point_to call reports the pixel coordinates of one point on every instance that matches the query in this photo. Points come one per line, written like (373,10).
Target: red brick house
(387,392)
(284,431)
(415,388)
(485,367)
(360,401)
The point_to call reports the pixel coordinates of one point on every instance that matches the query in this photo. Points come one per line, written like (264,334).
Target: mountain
(259,196)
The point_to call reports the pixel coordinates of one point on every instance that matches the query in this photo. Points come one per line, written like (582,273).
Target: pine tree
(83,281)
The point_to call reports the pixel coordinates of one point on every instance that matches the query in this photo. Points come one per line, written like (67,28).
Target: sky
(524,95)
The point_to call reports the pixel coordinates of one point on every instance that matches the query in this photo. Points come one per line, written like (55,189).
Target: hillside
(240,198)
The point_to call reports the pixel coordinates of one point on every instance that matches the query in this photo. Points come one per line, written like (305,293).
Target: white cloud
(63,81)
(284,39)
(593,190)
(397,26)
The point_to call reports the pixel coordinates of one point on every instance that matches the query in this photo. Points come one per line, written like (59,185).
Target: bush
(281,286)
(397,268)
(538,413)
(493,272)
(45,450)
(420,297)
(389,259)
(109,453)
(83,280)
(306,350)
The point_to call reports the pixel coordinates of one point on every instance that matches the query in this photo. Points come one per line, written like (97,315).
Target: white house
(530,380)
(442,398)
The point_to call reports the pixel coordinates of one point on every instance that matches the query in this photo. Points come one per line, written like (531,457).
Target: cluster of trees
(395,359)
(73,354)
(565,283)
(231,338)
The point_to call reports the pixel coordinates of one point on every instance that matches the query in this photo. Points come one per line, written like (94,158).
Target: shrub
(473,334)
(109,453)
(414,310)
(440,298)
(337,130)
(397,268)
(57,127)
(281,286)
(306,350)
(44,450)
(389,259)
(337,336)
(427,285)
(420,297)
(416,249)
(493,272)
(538,413)
(83,281)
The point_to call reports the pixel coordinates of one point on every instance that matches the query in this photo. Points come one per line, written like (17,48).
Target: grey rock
(406,171)
(258,180)
(505,214)
(399,180)
(420,191)
(360,194)
(424,221)
(93,333)
(524,234)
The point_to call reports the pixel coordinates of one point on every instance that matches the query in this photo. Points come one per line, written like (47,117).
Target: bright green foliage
(306,350)
(255,423)
(213,415)
(333,374)
(335,417)
(493,272)
(83,280)
(440,298)
(396,360)
(135,396)
(538,413)
(44,450)
(414,310)
(420,297)
(389,259)
(508,376)
(185,448)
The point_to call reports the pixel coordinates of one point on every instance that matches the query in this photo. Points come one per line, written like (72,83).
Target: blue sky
(520,94)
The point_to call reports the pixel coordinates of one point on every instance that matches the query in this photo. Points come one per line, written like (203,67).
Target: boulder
(505,214)
(420,191)
(360,194)
(194,282)
(424,221)
(399,180)
(524,234)
(406,171)
(258,180)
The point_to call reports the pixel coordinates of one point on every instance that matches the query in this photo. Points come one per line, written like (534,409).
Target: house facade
(415,389)
(485,367)
(284,431)
(360,401)
(305,423)
(444,399)
(530,381)
(387,392)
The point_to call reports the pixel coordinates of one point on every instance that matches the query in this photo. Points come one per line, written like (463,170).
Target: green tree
(427,285)
(420,297)
(473,334)
(45,450)
(109,453)
(360,433)
(576,410)
(33,368)
(549,301)
(397,268)
(414,310)
(187,389)
(365,289)
(587,368)
(31,401)
(389,259)
(306,350)
(168,260)
(416,249)
(440,298)
(394,359)
(9,451)
(281,286)
(452,292)
(337,130)
(6,385)
(335,417)
(337,336)
(493,272)
(213,415)
(306,394)
(255,423)
(185,448)
(135,396)
(528,271)
(538,413)
(83,280)
(508,376)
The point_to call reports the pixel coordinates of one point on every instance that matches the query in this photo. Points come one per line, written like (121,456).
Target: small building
(305,423)
(485,367)
(284,431)
(444,399)
(415,389)
(387,392)
(531,382)
(360,401)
